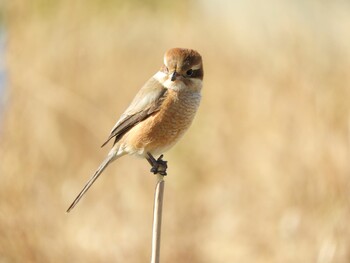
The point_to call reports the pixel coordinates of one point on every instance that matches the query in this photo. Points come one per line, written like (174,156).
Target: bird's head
(182,68)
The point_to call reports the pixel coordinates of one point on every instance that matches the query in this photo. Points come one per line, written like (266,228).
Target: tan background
(263,175)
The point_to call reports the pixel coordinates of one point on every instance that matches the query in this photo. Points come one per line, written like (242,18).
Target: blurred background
(261,176)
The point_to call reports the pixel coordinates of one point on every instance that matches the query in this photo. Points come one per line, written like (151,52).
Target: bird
(159,115)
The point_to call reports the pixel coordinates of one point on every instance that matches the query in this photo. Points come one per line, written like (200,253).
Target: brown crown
(183,59)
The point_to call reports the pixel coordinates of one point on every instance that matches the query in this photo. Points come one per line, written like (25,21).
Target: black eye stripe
(197,73)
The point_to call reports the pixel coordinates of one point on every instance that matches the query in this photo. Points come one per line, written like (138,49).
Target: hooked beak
(173,76)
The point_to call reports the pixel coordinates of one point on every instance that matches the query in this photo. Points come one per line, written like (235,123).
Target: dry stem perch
(157,218)
(159,168)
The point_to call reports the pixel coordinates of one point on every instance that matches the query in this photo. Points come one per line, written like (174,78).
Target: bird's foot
(159,166)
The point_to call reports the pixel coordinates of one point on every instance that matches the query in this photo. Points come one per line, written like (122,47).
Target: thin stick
(157,218)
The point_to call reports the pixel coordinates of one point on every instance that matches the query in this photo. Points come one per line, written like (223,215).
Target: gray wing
(146,102)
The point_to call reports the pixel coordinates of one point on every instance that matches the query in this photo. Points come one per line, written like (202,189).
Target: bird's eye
(189,72)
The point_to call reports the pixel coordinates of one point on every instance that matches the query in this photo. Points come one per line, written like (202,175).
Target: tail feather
(104,164)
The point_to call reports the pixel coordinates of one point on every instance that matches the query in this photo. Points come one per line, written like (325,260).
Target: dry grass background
(261,176)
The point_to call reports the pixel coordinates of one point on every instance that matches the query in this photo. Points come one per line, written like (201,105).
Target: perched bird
(159,115)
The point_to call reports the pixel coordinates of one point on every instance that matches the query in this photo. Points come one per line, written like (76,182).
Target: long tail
(111,157)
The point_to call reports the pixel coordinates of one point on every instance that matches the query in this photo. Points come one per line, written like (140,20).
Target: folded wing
(146,102)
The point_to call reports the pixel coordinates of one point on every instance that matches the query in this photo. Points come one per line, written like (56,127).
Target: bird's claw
(159,166)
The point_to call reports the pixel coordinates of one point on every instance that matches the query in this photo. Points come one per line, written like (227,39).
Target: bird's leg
(159,166)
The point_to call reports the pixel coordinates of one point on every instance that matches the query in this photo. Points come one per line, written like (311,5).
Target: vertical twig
(157,218)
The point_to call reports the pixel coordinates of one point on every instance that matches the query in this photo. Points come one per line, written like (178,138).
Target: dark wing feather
(130,121)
